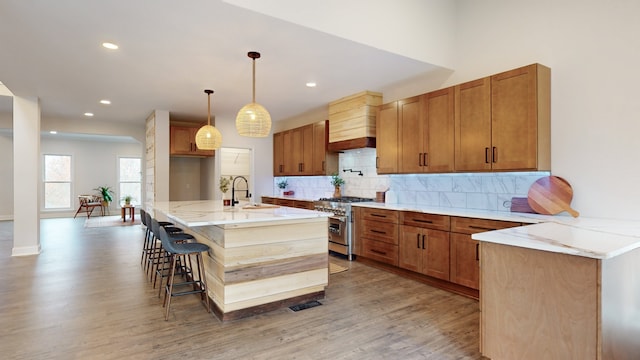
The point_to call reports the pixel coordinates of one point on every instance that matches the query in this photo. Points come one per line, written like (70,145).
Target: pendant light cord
(254,80)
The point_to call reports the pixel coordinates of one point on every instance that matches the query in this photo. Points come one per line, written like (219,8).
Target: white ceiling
(170,51)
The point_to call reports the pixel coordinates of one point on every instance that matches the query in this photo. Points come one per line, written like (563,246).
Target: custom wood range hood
(352,121)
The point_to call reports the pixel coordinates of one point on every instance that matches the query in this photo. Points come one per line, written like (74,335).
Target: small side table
(132,212)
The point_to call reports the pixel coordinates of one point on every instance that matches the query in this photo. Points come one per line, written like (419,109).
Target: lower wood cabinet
(425,251)
(378,235)
(465,252)
(301,204)
(438,246)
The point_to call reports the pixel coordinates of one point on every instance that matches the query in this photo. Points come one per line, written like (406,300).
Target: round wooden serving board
(551,195)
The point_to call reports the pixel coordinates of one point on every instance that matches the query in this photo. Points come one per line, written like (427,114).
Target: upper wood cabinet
(323,162)
(182,142)
(473,125)
(517,102)
(303,151)
(278,154)
(387,138)
(426,136)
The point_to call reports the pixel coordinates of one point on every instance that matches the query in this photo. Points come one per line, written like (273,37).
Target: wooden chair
(89,202)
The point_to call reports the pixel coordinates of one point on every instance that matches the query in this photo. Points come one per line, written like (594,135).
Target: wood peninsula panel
(525,293)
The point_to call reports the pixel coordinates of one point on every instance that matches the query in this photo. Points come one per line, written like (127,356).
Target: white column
(26,176)
(162,155)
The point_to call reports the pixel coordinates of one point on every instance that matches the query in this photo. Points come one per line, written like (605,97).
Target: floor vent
(308,305)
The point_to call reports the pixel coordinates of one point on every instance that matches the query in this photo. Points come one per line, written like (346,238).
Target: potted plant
(127,199)
(106,193)
(282,184)
(223,184)
(336,181)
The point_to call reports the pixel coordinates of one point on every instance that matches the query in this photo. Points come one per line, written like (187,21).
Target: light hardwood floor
(86,297)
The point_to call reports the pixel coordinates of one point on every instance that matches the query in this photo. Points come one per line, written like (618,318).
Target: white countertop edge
(564,239)
(242,221)
(468,213)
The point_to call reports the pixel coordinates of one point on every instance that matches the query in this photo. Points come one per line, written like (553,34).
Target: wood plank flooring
(86,297)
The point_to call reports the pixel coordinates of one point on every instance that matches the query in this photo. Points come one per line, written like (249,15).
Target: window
(130,178)
(57,181)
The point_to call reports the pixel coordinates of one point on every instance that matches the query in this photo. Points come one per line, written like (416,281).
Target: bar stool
(148,244)
(156,246)
(176,250)
(160,263)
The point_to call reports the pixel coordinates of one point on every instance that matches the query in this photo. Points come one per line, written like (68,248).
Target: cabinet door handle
(494,154)
(478,252)
(322,165)
(486,155)
(425,159)
(418,241)
(378,252)
(378,215)
(377,158)
(419,159)
(281,168)
(423,242)
(481,228)
(422,221)
(378,232)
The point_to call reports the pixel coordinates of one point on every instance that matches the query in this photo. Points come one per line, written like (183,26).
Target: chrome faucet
(233,189)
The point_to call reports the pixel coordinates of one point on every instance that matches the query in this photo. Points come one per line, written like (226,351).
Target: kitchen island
(565,289)
(262,257)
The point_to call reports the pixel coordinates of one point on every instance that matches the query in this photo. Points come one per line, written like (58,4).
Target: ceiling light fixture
(89,114)
(105,102)
(311,84)
(208,137)
(253,119)
(110,46)
(53,132)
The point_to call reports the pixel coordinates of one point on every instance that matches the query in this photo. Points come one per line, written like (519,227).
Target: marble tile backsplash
(481,191)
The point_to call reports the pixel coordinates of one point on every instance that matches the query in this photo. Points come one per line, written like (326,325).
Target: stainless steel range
(341,223)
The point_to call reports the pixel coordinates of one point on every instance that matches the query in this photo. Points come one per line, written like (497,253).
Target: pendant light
(253,119)
(208,137)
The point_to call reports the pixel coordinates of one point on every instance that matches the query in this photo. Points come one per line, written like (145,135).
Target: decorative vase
(336,192)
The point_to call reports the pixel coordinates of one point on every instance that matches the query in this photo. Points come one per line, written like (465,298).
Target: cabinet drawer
(390,216)
(464,225)
(429,221)
(381,231)
(380,251)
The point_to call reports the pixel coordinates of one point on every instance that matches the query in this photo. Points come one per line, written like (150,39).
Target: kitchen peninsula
(262,257)
(565,289)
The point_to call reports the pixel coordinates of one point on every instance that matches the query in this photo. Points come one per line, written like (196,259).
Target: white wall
(184,179)
(6,176)
(95,163)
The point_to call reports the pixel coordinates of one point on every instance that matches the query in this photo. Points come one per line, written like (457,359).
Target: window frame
(139,201)
(45,182)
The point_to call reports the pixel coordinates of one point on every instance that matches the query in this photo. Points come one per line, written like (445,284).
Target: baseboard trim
(26,250)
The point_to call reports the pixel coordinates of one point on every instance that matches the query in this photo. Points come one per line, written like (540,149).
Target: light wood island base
(261,266)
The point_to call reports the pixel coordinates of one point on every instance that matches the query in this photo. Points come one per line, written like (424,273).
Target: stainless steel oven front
(338,234)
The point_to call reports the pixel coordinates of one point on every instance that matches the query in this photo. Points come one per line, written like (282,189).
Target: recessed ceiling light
(53,132)
(105,102)
(311,84)
(110,46)
(88,114)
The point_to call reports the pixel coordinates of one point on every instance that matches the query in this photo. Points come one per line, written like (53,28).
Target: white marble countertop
(478,214)
(211,212)
(587,237)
